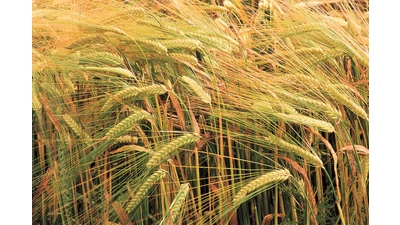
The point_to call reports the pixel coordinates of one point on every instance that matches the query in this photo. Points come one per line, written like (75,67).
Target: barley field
(183,112)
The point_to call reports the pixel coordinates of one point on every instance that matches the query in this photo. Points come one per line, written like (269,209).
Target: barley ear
(197,89)
(306,120)
(101,58)
(157,46)
(134,92)
(286,146)
(155,89)
(184,57)
(190,44)
(124,14)
(123,94)
(87,40)
(177,205)
(327,109)
(127,123)
(170,148)
(36,104)
(116,70)
(301,29)
(143,189)
(77,129)
(262,182)
(165,28)
(339,97)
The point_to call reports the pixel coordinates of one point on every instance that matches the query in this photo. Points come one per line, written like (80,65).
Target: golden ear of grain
(279,106)
(365,168)
(212,41)
(328,110)
(170,148)
(190,44)
(339,97)
(101,58)
(155,89)
(163,27)
(197,89)
(131,148)
(214,8)
(157,46)
(184,57)
(90,28)
(126,139)
(87,40)
(266,180)
(305,120)
(286,146)
(142,136)
(76,128)
(124,14)
(301,29)
(302,78)
(47,14)
(36,105)
(127,123)
(177,206)
(124,94)
(136,93)
(143,189)
(116,70)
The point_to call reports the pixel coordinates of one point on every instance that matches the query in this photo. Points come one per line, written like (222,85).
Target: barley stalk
(170,148)
(127,123)
(143,189)
(266,180)
(305,120)
(286,146)
(197,89)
